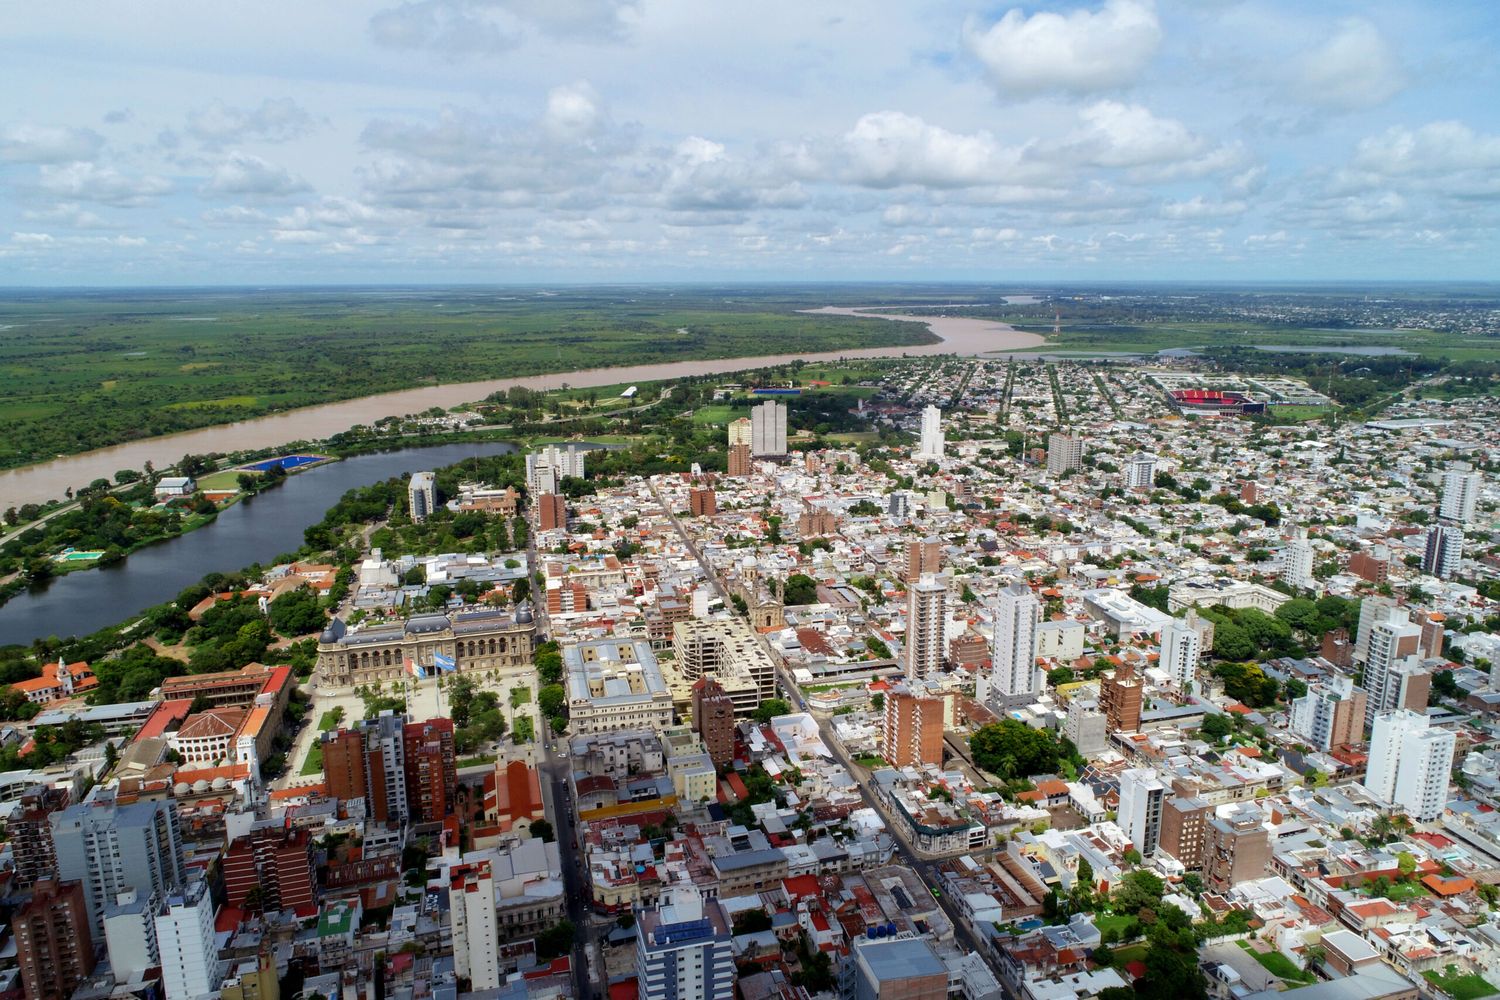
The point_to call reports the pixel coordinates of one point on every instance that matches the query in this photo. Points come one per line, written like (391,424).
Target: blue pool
(287,462)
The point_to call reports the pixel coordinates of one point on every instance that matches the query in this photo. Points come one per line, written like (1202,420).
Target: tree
(297,612)
(549,664)
(1406,865)
(1011,749)
(877,701)
(1059,675)
(799,589)
(556,940)
(461,691)
(542,830)
(552,699)
(770,708)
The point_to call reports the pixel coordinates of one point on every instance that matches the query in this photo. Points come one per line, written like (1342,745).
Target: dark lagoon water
(253,530)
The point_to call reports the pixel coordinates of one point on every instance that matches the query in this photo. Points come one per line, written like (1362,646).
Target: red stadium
(1214,401)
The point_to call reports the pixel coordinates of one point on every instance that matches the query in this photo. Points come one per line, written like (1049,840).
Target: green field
(1278,965)
(314,762)
(225,480)
(1465,987)
(86,370)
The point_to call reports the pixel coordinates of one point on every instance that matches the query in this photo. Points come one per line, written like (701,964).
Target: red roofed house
(58,681)
(512,797)
(208,736)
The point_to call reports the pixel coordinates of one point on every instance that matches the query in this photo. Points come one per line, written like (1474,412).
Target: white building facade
(1411,763)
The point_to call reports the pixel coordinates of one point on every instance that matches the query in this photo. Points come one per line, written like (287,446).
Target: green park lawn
(1461,987)
(1278,964)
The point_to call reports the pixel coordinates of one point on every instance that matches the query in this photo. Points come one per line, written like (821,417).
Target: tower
(931,446)
(1444,552)
(926,624)
(1013,650)
(768,430)
(1297,562)
(1140,471)
(1461,485)
(1180,650)
(421,495)
(1411,763)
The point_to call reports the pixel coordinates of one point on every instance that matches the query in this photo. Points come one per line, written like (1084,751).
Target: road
(925,869)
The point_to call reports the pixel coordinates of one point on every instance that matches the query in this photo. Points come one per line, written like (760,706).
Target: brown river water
(48,480)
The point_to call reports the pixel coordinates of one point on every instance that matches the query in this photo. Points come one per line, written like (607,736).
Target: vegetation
(1011,749)
(1460,986)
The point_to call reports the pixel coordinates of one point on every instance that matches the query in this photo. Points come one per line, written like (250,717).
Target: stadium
(1214,401)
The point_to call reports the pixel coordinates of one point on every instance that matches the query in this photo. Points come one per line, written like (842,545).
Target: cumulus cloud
(1198,207)
(1354,69)
(887,149)
(247,175)
(1086,50)
(27,143)
(275,120)
(92,182)
(459,28)
(573,111)
(1443,147)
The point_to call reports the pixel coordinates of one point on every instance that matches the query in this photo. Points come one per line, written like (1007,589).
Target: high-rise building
(1180,650)
(1297,562)
(421,496)
(1372,611)
(431,769)
(1330,715)
(739,461)
(926,625)
(1237,848)
(1064,452)
(1184,825)
(683,949)
(1013,674)
(912,729)
(270,869)
(768,430)
(1394,677)
(368,762)
(130,935)
(924,557)
(1085,726)
(931,446)
(552,512)
(702,503)
(112,848)
(1122,696)
(54,943)
(30,833)
(1461,486)
(1411,763)
(1140,471)
(190,966)
(1445,549)
(549,466)
(713,720)
(1142,795)
(724,647)
(471,911)
(253,979)
(894,969)
(741,432)
(1432,634)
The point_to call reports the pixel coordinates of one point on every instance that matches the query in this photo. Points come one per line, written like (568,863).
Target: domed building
(473,639)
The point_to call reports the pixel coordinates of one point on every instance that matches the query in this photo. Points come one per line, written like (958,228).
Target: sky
(594,141)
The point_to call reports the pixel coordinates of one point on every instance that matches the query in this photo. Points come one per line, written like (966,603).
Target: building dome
(220,783)
(200,786)
(524,615)
(181,788)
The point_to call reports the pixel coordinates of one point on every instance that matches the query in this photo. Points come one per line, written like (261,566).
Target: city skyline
(617,141)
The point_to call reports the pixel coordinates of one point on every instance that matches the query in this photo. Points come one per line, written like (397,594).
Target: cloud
(91,182)
(573,111)
(26,143)
(1080,52)
(1197,207)
(1112,134)
(887,149)
(460,28)
(251,176)
(1353,70)
(1443,147)
(276,120)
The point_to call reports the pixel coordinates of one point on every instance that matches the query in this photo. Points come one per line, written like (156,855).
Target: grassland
(82,371)
(1460,987)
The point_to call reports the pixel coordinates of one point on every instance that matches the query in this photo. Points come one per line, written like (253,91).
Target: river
(253,530)
(48,480)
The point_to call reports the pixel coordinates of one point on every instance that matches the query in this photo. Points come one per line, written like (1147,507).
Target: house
(58,681)
(175,486)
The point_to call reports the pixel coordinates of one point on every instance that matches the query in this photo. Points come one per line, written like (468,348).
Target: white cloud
(1198,207)
(573,111)
(1354,69)
(275,120)
(91,182)
(1442,147)
(1113,134)
(889,149)
(459,28)
(23,142)
(249,175)
(1080,52)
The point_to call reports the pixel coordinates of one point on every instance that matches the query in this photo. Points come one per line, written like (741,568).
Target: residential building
(1142,796)
(112,848)
(683,949)
(768,430)
(421,496)
(471,913)
(926,627)
(1180,650)
(924,557)
(1444,551)
(713,720)
(431,769)
(615,684)
(912,729)
(1014,676)
(1411,764)
(552,512)
(931,445)
(30,833)
(724,647)
(270,869)
(1394,676)
(1140,471)
(1085,726)
(547,467)
(1431,645)
(1297,562)
(1330,715)
(1064,453)
(1184,828)
(130,935)
(1461,486)
(190,966)
(893,969)
(1121,695)
(253,979)
(741,432)
(367,762)
(702,503)
(1372,611)
(54,940)
(1237,848)
(739,461)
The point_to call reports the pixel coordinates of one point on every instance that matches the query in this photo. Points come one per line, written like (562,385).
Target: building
(130,935)
(724,647)
(1373,566)
(893,969)
(615,684)
(549,466)
(1394,676)
(1142,797)
(552,512)
(431,770)
(208,738)
(702,503)
(1184,828)
(768,430)
(253,979)
(1432,634)
(931,446)
(54,943)
(1444,552)
(1330,715)
(683,949)
(741,432)
(421,496)
(739,461)
(924,557)
(476,639)
(112,848)
(471,912)
(1086,726)
(1372,611)
(1121,695)
(1140,471)
(1064,453)
(30,833)
(1411,763)
(1237,847)
(1014,676)
(926,627)
(170,487)
(190,966)
(1297,562)
(1180,650)
(58,682)
(713,720)
(367,763)
(270,869)
(1461,486)
(912,729)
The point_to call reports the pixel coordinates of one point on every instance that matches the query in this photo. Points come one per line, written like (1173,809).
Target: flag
(416,670)
(444,663)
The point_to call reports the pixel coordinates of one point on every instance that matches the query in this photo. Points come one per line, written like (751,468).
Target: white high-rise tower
(930,448)
(1461,486)
(1411,763)
(768,430)
(926,624)
(1297,562)
(1013,649)
(1180,649)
